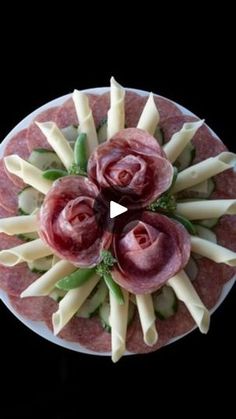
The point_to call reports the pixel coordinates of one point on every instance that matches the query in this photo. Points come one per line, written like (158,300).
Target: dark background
(190,62)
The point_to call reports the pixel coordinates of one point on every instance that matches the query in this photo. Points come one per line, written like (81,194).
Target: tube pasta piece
(26,252)
(180,139)
(116,113)
(150,117)
(58,142)
(71,303)
(45,283)
(200,210)
(86,121)
(118,322)
(185,292)
(18,225)
(147,318)
(215,252)
(204,170)
(27,172)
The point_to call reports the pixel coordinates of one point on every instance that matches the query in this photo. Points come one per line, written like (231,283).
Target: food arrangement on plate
(135,282)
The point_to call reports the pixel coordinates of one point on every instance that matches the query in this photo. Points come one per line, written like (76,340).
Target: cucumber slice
(104,314)
(206,233)
(165,303)
(158,134)
(29,199)
(202,190)
(28,236)
(209,223)
(45,159)
(102,131)
(91,305)
(186,157)
(57,295)
(191,268)
(40,265)
(71,133)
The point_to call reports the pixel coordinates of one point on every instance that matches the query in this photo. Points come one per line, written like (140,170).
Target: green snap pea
(114,288)
(76,279)
(80,152)
(53,174)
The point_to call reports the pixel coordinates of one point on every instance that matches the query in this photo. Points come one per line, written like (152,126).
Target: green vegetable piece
(103,269)
(76,279)
(114,288)
(53,174)
(80,152)
(166,204)
(186,223)
(75,170)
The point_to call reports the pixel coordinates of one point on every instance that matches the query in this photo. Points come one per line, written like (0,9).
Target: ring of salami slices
(137,287)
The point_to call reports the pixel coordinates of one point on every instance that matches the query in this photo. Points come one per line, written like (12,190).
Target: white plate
(39,327)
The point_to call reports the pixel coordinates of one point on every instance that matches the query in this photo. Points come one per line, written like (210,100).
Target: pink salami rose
(133,165)
(149,252)
(68,224)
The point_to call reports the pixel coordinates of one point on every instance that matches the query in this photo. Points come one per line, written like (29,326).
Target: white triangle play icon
(116,209)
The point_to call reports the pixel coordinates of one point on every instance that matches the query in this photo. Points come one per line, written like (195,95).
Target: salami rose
(149,252)
(67,221)
(132,164)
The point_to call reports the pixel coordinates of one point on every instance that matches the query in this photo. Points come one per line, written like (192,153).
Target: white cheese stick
(180,139)
(150,117)
(215,252)
(86,121)
(18,225)
(27,172)
(58,142)
(147,318)
(186,292)
(116,113)
(45,283)
(26,252)
(71,303)
(204,170)
(118,321)
(200,210)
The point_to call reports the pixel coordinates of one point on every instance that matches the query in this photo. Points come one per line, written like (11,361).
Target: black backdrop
(197,73)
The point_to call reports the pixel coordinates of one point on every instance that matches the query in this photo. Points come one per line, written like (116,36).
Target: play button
(116,209)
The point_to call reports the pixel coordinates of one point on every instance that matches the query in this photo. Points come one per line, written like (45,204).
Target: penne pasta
(200,210)
(27,172)
(147,318)
(71,303)
(45,283)
(150,117)
(204,170)
(86,121)
(19,225)
(26,252)
(215,252)
(118,322)
(116,113)
(58,142)
(180,139)
(186,293)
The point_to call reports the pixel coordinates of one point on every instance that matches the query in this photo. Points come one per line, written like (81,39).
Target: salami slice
(225,185)
(17,145)
(166,108)
(100,108)
(134,105)
(35,138)
(8,191)
(34,308)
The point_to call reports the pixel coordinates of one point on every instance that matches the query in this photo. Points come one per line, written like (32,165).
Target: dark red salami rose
(150,253)
(131,163)
(68,224)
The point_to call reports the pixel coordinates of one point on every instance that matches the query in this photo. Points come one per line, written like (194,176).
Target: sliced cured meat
(205,143)
(166,108)
(209,281)
(150,253)
(34,308)
(35,138)
(66,114)
(17,145)
(225,185)
(225,231)
(100,108)
(133,165)
(134,105)
(68,224)
(167,329)
(8,191)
